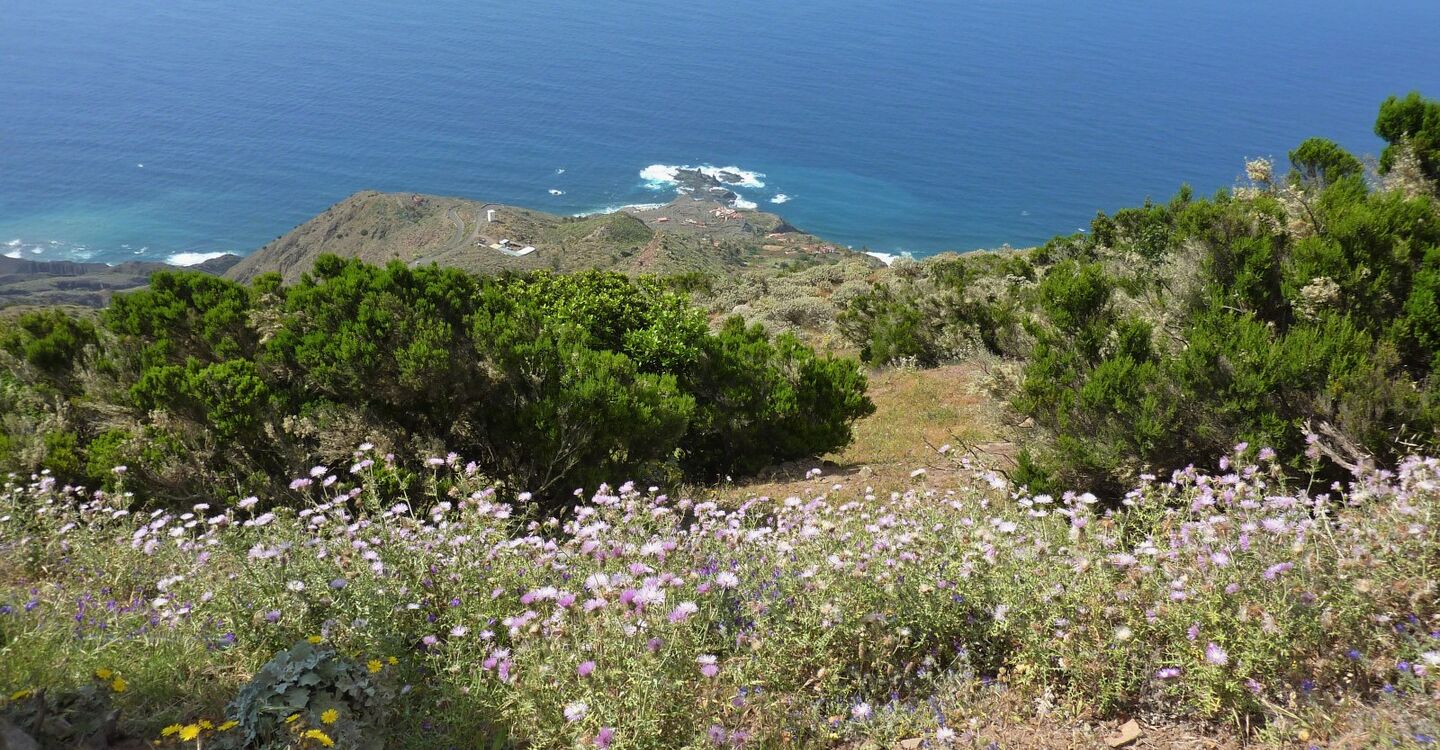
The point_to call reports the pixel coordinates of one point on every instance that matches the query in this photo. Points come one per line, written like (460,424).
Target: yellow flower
(172,729)
(205,724)
(21,695)
(373,665)
(330,716)
(393,661)
(319,736)
(104,673)
(119,685)
(315,639)
(227,726)
(189,732)
(291,718)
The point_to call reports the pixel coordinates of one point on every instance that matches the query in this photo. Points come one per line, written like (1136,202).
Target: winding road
(454,216)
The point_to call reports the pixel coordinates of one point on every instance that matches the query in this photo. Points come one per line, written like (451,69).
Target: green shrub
(49,340)
(549,381)
(1413,123)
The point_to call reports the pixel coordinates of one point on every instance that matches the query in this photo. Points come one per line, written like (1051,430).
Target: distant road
(454,216)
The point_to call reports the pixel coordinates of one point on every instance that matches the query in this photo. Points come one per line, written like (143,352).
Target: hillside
(688,234)
(31,282)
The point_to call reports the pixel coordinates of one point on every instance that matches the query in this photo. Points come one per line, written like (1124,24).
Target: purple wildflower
(1275,570)
(1216,655)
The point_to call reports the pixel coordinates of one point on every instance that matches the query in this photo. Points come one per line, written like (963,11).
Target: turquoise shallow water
(917,126)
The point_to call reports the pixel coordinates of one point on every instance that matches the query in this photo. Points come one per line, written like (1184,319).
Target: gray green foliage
(77,717)
(298,687)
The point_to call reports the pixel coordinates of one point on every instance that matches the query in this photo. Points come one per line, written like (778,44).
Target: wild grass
(835,615)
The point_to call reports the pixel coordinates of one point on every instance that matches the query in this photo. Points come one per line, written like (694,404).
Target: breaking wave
(661,176)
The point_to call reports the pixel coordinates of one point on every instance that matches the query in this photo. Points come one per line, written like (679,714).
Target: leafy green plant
(311,688)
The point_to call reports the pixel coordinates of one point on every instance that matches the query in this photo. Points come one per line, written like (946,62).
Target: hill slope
(34,282)
(688,234)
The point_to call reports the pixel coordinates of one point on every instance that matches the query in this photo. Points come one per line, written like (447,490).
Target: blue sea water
(141,129)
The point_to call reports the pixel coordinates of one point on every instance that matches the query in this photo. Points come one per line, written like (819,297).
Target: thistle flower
(683,611)
(576,711)
(1216,655)
(604,737)
(1272,572)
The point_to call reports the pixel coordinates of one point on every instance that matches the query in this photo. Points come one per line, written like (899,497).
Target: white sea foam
(191,259)
(781,198)
(559,171)
(36,250)
(890,258)
(13,243)
(744,204)
(14,254)
(553,191)
(627,207)
(661,176)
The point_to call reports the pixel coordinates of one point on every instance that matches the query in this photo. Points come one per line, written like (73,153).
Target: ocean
(131,129)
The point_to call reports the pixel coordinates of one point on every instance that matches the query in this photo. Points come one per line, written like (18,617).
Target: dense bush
(49,340)
(1412,124)
(1307,304)
(945,308)
(551,381)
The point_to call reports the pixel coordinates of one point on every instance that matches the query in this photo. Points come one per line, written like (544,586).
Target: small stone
(1129,732)
(911,744)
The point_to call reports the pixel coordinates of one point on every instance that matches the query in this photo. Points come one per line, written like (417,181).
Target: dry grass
(915,411)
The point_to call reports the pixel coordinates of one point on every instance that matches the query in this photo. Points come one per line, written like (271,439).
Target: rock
(1129,732)
(1029,423)
(911,744)
(11,738)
